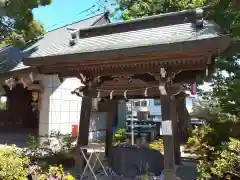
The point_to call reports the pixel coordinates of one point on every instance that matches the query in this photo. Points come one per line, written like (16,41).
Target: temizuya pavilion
(158,54)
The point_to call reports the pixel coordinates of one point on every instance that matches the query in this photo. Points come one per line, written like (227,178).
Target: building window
(157,102)
(136,103)
(144,103)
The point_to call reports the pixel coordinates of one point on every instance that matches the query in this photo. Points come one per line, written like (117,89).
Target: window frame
(157,102)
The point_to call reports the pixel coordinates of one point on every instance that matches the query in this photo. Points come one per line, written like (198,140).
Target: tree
(17,24)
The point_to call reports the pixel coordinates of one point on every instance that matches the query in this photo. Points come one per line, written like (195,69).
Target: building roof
(55,40)
(161,33)
(106,44)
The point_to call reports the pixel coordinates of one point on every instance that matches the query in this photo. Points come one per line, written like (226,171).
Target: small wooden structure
(152,57)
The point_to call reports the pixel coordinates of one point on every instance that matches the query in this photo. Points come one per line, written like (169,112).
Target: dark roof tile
(140,38)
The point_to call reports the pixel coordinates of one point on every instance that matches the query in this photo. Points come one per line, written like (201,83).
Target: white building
(153,105)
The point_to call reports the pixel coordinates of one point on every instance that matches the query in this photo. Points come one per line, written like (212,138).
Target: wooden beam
(83,133)
(167,107)
(127,68)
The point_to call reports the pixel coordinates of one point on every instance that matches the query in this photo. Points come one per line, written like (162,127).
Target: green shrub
(200,141)
(226,164)
(157,144)
(119,137)
(13,166)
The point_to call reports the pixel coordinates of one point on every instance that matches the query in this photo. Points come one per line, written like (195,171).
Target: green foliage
(221,156)
(13,166)
(119,137)
(226,86)
(18,24)
(157,144)
(226,165)
(217,10)
(199,143)
(133,9)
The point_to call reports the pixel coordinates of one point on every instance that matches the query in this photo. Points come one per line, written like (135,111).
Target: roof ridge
(191,15)
(103,14)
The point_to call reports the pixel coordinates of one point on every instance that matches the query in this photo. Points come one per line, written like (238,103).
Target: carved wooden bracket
(89,88)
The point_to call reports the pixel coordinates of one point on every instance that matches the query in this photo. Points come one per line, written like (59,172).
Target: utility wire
(100,5)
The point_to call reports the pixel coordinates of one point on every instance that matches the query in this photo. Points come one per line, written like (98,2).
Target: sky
(62,12)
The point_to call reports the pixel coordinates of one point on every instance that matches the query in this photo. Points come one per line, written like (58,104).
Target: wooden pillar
(177,144)
(158,126)
(168,113)
(109,133)
(83,134)
(112,110)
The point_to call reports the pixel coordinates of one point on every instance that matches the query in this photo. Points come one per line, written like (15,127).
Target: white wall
(61,109)
(154,109)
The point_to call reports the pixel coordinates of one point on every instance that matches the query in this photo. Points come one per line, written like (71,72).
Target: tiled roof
(162,33)
(140,38)
(55,40)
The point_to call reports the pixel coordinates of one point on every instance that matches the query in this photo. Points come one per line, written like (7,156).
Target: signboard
(167,128)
